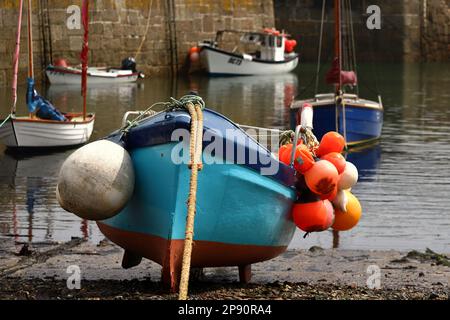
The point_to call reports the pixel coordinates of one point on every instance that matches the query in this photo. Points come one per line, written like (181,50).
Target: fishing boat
(45,126)
(61,73)
(244,197)
(359,120)
(273,54)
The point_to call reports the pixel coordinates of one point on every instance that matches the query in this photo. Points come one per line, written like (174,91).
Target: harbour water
(404,182)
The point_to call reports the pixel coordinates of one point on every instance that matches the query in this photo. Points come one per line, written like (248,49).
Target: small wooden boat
(29,132)
(271,57)
(45,126)
(243,216)
(359,120)
(60,73)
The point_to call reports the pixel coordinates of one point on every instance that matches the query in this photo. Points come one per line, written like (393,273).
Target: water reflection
(253,100)
(29,209)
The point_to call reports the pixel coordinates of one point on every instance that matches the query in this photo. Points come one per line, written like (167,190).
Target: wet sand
(40,273)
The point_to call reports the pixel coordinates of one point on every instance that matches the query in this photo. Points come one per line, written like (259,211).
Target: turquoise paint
(235,204)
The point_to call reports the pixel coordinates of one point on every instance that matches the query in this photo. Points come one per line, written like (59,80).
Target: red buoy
(312,216)
(337,160)
(322,178)
(331,142)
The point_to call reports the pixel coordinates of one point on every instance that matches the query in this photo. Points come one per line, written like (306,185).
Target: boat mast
(16,59)
(84,54)
(30,42)
(338,40)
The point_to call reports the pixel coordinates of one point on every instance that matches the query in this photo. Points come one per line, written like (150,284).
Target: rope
(195,165)
(171,105)
(320,45)
(146,30)
(4,121)
(355,67)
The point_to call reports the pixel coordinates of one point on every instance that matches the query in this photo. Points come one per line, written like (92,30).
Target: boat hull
(68,77)
(242,217)
(363,120)
(25,132)
(218,62)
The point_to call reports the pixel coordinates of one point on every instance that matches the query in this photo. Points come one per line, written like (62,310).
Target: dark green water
(404,186)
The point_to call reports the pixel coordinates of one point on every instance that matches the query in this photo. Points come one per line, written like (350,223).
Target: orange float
(303,160)
(285,153)
(330,214)
(331,142)
(322,178)
(337,160)
(347,220)
(194,54)
(311,216)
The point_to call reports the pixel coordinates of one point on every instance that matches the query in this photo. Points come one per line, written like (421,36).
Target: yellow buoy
(347,220)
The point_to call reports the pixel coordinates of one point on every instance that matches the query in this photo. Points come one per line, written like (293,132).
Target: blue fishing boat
(244,198)
(359,120)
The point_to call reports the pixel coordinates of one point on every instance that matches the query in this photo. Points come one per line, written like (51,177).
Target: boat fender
(96,181)
(349,177)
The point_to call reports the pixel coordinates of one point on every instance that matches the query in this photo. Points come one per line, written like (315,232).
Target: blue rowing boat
(244,197)
(359,121)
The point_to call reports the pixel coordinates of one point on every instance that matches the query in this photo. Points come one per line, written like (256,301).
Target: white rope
(320,45)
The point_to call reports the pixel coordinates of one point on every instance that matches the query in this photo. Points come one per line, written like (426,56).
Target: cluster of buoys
(194,54)
(324,181)
(289,45)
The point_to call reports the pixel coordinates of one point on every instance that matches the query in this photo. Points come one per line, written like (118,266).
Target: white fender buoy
(96,181)
(349,177)
(341,200)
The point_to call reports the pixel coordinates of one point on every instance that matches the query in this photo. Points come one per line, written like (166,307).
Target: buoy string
(195,150)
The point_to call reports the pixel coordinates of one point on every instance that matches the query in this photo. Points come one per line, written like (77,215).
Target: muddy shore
(40,272)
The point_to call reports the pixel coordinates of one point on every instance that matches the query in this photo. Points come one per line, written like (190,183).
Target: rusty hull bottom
(169,253)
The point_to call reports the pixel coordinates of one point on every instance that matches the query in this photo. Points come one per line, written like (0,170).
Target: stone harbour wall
(411,30)
(158,33)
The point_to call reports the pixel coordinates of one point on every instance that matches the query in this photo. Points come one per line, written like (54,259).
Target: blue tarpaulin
(40,106)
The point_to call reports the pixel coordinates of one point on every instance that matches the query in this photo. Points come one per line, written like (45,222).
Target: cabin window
(279,42)
(271,41)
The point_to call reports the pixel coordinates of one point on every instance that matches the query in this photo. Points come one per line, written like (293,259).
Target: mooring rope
(6,120)
(195,151)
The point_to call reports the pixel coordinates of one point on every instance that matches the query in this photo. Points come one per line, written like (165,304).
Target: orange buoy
(322,178)
(331,142)
(194,54)
(303,159)
(331,195)
(311,216)
(344,221)
(337,160)
(330,214)
(285,153)
(60,62)
(349,177)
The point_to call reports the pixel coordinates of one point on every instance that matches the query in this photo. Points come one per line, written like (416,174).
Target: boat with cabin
(256,53)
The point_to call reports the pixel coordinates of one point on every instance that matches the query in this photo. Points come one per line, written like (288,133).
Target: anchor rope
(6,120)
(195,151)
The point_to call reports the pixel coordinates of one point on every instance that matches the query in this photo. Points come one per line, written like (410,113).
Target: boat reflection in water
(224,94)
(367,160)
(29,211)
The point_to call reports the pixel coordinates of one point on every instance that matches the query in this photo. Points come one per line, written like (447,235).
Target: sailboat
(45,126)
(359,120)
